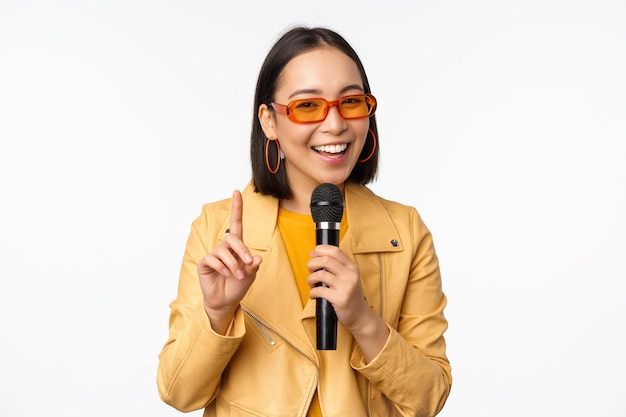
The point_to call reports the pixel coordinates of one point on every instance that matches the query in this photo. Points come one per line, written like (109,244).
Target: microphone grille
(327,203)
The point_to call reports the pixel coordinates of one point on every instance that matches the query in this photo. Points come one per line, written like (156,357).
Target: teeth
(331,148)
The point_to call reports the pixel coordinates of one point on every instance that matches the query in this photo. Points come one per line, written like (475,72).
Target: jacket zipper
(263,327)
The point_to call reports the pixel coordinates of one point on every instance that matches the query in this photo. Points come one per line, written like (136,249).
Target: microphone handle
(326,318)
(326,324)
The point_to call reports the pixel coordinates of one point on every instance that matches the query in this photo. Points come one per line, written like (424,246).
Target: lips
(331,149)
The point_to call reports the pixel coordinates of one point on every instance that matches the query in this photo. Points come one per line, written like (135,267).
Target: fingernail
(225,272)
(239,274)
(247,258)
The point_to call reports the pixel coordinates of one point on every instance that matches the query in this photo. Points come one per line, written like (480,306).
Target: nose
(334,123)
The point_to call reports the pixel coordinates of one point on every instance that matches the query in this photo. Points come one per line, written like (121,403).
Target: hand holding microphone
(335,279)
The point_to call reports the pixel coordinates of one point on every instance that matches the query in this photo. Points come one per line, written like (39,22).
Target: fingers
(341,283)
(232,256)
(250,269)
(330,250)
(223,261)
(330,258)
(236,214)
(332,267)
(234,239)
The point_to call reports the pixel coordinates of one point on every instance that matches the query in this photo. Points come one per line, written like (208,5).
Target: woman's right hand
(227,272)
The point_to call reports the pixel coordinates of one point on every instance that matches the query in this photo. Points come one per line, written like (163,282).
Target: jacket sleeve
(194,357)
(412,370)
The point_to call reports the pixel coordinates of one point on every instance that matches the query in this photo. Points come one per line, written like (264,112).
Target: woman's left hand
(331,266)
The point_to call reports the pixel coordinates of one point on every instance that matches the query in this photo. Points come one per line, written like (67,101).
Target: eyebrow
(319,92)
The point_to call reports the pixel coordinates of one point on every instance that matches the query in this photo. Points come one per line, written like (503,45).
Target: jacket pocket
(261,333)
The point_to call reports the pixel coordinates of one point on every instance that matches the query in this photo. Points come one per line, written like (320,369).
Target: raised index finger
(236,213)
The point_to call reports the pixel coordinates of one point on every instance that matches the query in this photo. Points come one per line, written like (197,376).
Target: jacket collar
(369,225)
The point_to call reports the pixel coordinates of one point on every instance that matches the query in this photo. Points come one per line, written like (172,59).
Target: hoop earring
(373,148)
(267,159)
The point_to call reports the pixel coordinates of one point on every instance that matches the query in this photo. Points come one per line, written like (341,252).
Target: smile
(332,149)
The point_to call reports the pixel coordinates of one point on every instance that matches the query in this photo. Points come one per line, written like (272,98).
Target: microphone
(327,210)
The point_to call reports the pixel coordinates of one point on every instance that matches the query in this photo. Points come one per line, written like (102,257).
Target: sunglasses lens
(310,110)
(354,107)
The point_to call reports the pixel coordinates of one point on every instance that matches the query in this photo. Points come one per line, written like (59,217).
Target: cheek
(294,134)
(361,132)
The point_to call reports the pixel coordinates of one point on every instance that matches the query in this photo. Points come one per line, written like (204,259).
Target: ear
(266,118)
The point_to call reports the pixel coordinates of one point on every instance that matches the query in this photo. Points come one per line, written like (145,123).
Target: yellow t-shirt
(298,233)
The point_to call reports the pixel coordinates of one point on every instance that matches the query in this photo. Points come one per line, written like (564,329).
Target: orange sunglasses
(313,110)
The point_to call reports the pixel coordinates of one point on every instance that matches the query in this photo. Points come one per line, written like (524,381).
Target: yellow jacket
(267,364)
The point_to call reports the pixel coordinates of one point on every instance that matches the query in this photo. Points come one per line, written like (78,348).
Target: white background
(503,122)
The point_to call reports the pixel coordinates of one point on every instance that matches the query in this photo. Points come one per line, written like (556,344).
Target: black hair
(293,43)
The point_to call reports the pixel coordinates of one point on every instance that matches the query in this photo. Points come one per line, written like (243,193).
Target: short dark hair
(293,43)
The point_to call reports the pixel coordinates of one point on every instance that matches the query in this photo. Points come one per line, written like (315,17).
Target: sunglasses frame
(288,109)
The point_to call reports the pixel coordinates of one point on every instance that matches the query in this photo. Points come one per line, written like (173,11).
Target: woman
(242,328)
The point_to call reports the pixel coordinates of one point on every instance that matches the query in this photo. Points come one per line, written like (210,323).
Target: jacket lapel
(370,227)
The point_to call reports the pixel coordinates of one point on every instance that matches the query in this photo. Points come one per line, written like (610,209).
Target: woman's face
(321,152)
